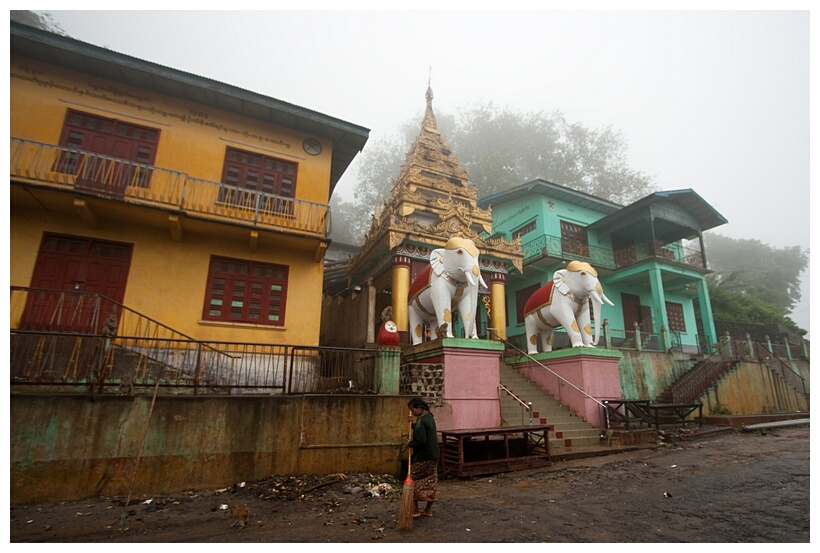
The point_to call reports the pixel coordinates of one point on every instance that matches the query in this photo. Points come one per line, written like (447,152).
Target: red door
(634,312)
(125,149)
(75,271)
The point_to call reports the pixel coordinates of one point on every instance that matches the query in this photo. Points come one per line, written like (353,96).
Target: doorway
(72,273)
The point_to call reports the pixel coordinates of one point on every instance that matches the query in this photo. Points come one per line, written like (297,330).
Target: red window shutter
(259,173)
(246,292)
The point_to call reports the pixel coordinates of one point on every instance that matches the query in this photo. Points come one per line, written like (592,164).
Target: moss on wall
(67,447)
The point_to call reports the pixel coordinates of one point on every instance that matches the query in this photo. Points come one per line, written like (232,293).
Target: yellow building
(198,205)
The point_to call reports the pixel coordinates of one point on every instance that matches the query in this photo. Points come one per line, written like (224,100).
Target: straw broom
(407,503)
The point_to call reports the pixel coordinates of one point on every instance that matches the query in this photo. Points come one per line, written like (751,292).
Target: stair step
(564,434)
(569,429)
(538,413)
(558,445)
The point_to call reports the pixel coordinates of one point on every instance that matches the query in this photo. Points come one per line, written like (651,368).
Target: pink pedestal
(471,379)
(595,371)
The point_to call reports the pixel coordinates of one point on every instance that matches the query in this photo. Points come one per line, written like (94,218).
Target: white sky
(716,101)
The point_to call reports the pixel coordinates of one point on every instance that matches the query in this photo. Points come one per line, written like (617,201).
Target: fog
(716,101)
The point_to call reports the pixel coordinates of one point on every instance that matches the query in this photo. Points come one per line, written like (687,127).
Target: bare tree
(40,20)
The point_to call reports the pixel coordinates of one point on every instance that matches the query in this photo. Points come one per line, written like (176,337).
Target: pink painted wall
(595,374)
(471,380)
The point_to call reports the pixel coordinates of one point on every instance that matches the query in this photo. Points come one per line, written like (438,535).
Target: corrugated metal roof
(633,220)
(546,188)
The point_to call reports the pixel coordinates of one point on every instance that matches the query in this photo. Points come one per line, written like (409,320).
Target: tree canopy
(42,21)
(752,281)
(499,149)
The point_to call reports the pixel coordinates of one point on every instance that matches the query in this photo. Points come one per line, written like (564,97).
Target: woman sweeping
(424,462)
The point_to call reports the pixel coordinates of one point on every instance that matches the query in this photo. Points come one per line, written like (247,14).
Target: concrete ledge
(746,420)
(618,438)
(436,347)
(569,352)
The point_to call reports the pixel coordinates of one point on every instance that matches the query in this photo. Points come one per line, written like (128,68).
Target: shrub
(720,409)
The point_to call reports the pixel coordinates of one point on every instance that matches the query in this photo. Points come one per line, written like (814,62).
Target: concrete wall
(750,389)
(645,374)
(754,389)
(67,447)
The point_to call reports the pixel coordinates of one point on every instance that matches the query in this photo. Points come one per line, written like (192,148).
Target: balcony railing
(558,248)
(146,185)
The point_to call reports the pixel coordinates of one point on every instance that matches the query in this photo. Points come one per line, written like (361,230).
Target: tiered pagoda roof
(430,202)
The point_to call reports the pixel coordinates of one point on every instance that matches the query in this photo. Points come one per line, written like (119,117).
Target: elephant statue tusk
(468,275)
(600,297)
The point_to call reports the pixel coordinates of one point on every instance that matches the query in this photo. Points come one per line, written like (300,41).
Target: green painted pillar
(387,370)
(658,298)
(707,319)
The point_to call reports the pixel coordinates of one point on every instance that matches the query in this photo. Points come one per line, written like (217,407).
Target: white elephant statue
(450,283)
(547,310)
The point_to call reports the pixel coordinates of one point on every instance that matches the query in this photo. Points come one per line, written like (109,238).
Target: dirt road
(737,487)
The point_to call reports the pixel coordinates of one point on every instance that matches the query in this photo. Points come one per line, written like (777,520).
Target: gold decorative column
(400,291)
(498,308)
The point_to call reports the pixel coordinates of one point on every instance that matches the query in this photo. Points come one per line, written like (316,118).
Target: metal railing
(552,246)
(67,340)
(694,383)
(131,182)
(728,354)
(612,338)
(509,347)
(626,414)
(748,349)
(547,245)
(525,406)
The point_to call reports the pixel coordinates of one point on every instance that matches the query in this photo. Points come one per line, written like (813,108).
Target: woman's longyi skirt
(425,479)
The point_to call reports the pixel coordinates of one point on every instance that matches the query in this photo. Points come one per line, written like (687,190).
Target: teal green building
(649,255)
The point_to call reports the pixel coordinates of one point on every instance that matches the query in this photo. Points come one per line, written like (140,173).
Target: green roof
(552,190)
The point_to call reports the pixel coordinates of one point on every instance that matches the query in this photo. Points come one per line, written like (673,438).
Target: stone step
(541,403)
(575,434)
(570,441)
(570,429)
(562,421)
(538,406)
(539,413)
(560,446)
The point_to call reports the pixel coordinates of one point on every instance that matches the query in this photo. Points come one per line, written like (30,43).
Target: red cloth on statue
(420,283)
(539,298)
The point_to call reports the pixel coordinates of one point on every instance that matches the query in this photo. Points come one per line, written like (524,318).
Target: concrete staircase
(570,429)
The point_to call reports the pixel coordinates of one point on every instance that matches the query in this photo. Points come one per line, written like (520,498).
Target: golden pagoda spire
(429,122)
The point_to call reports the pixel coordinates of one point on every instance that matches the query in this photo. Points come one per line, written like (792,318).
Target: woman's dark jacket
(425,439)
